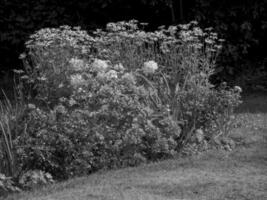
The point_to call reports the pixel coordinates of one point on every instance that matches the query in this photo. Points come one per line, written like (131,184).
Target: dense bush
(105,122)
(118,97)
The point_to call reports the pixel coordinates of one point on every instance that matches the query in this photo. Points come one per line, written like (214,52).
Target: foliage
(7,185)
(11,125)
(104,123)
(186,55)
(243,25)
(118,97)
(35,177)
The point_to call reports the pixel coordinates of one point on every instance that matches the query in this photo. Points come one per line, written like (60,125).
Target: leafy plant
(33,178)
(7,185)
(120,96)
(11,115)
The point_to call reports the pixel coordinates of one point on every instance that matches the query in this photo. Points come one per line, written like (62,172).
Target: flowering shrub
(105,122)
(150,67)
(47,60)
(120,97)
(222,104)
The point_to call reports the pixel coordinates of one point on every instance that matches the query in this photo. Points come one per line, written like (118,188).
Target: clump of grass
(10,115)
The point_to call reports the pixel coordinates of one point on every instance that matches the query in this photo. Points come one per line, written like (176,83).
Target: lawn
(238,175)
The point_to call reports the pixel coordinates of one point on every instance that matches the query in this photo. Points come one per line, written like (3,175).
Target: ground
(215,175)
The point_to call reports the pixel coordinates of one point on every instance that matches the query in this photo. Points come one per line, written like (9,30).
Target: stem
(172,11)
(8,145)
(181,10)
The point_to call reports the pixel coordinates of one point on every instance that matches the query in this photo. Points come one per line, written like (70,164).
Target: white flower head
(112,74)
(22,56)
(31,106)
(77,64)
(198,31)
(129,77)
(199,135)
(72,102)
(186,36)
(150,67)
(119,67)
(184,26)
(238,89)
(100,65)
(209,41)
(60,109)
(77,80)
(61,85)
(194,22)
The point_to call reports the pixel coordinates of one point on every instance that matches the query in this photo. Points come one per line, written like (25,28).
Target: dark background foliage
(243,23)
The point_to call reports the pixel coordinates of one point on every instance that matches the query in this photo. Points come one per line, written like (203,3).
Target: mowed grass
(215,175)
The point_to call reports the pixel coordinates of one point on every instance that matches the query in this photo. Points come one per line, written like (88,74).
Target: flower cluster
(62,36)
(150,67)
(77,80)
(122,26)
(78,64)
(100,65)
(238,89)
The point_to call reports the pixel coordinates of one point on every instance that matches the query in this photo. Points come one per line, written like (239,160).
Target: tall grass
(11,112)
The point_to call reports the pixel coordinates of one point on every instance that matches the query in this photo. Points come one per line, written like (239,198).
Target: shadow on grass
(254,103)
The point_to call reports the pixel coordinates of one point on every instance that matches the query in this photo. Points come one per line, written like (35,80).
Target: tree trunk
(172,10)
